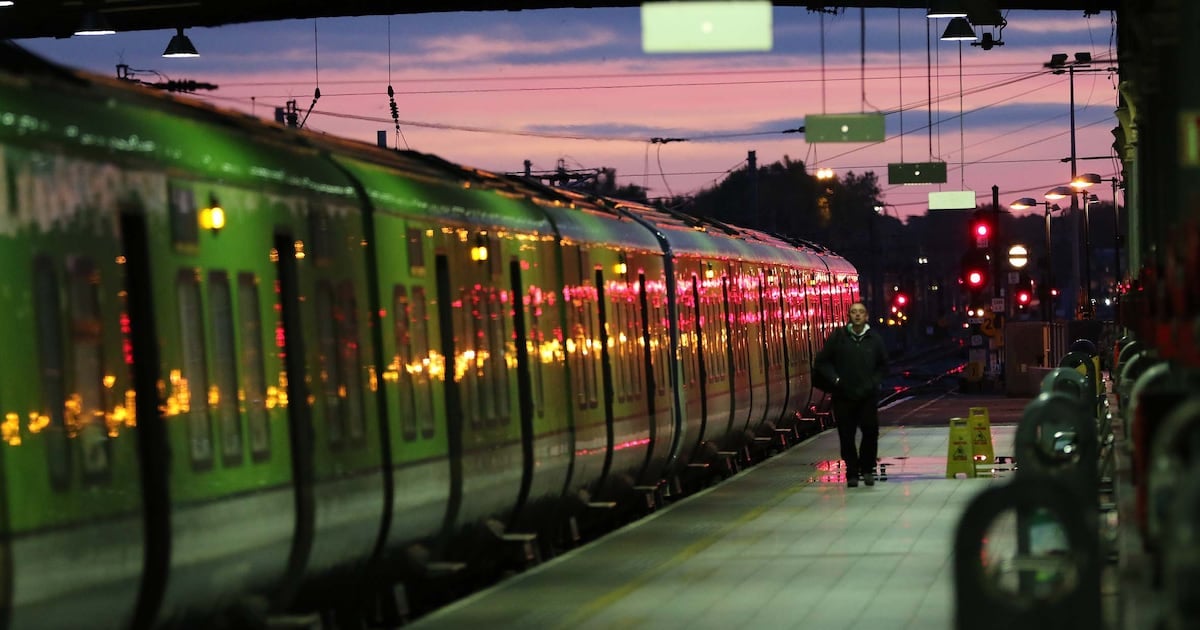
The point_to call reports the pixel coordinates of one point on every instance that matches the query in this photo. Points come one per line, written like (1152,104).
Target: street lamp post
(1025,203)
(1087,180)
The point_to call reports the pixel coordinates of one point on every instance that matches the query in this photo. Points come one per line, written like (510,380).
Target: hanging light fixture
(180,46)
(959,30)
(945,9)
(94,23)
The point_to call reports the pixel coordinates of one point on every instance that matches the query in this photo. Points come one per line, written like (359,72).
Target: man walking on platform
(854,363)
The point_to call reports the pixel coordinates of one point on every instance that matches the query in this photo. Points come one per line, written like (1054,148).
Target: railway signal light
(975,271)
(899,304)
(981,229)
(1023,291)
(1023,297)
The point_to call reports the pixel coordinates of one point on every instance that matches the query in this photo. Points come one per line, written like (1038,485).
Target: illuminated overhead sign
(844,128)
(685,27)
(917,173)
(952,200)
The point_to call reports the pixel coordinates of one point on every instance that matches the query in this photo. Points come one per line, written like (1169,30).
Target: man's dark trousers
(852,415)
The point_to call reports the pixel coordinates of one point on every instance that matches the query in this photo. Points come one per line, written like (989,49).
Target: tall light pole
(1058,61)
(1025,203)
(1083,182)
(1059,64)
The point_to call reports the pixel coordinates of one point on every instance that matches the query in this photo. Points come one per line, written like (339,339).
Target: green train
(244,364)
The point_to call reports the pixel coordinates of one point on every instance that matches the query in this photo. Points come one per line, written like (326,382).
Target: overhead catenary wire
(395,109)
(639,139)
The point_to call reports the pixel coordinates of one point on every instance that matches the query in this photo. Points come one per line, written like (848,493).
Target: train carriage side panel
(480,232)
(414,376)
(602,249)
(233,515)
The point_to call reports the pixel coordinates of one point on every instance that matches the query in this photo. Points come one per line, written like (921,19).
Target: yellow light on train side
(620,268)
(709,273)
(212,218)
(479,253)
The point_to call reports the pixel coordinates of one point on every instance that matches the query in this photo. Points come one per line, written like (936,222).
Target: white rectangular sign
(952,200)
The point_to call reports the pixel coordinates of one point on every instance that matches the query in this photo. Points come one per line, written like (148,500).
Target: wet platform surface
(784,544)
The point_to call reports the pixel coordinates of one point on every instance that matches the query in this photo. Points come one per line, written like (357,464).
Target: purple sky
(494,89)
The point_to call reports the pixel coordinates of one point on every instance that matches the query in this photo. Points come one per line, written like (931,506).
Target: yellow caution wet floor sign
(959,455)
(981,438)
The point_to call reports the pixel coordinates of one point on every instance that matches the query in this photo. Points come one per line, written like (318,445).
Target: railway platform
(784,544)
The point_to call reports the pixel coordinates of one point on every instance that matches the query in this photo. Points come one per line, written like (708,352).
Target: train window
(618,336)
(185,226)
(402,311)
(224,394)
(738,315)
(534,345)
(327,349)
(254,383)
(635,355)
(497,360)
(424,384)
(193,378)
(48,319)
(474,393)
(88,400)
(349,356)
(576,345)
(592,349)
(658,344)
(689,334)
(416,250)
(320,235)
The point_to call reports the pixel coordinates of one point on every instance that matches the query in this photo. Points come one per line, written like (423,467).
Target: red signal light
(1023,297)
(981,229)
(975,278)
(901,299)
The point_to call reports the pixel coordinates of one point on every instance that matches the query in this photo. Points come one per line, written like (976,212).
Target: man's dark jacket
(860,363)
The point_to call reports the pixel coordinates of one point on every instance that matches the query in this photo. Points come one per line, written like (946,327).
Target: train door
(692,374)
(634,311)
(413,379)
(737,354)
(660,385)
(69,472)
(797,342)
(545,437)
(714,350)
(338,317)
(752,344)
(775,377)
(481,315)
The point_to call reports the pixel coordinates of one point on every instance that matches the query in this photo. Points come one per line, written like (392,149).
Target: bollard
(1065,590)
(1181,567)
(1055,438)
(1125,352)
(1159,390)
(1067,381)
(1086,365)
(1130,371)
(1175,450)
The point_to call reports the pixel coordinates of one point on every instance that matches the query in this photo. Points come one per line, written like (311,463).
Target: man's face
(858,314)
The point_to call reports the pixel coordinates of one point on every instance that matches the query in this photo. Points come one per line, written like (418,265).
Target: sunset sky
(494,89)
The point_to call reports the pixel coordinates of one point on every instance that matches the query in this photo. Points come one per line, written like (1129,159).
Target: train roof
(48,105)
(51,105)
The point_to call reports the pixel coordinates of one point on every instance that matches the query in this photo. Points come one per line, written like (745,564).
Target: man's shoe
(852,482)
(869,479)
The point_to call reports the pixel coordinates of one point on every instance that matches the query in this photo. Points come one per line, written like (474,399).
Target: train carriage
(244,360)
